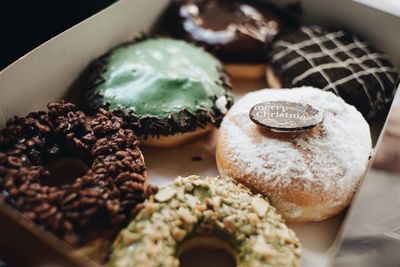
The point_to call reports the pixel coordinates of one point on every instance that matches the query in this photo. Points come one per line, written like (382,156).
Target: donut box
(55,69)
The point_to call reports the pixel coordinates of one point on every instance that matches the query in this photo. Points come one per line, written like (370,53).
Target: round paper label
(285,116)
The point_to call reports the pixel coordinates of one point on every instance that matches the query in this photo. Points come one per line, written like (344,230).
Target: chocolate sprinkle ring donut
(104,198)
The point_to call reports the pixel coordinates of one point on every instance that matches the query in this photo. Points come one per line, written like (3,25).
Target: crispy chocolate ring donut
(103,198)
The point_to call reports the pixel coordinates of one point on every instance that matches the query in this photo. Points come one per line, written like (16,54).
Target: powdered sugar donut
(308,175)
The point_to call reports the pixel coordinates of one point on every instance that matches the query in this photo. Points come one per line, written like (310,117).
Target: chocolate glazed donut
(237,31)
(105,197)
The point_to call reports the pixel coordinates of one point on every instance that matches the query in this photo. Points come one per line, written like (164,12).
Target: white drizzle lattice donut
(334,61)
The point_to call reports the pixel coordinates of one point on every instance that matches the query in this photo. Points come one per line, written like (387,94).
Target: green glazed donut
(213,209)
(161,86)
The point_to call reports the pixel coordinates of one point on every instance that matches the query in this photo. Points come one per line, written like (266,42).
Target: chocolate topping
(236,30)
(336,61)
(101,200)
(285,116)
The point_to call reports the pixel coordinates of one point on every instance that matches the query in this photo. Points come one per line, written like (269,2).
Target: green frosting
(160,76)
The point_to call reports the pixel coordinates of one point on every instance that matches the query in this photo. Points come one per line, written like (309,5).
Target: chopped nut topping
(263,248)
(186,215)
(216,205)
(260,206)
(165,194)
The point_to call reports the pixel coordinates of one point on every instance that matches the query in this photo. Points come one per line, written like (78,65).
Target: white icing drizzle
(338,61)
(363,47)
(339,47)
(314,55)
(335,159)
(353,58)
(304,56)
(305,43)
(358,74)
(333,65)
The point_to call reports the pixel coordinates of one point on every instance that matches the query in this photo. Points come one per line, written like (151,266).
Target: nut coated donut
(103,198)
(307,175)
(214,212)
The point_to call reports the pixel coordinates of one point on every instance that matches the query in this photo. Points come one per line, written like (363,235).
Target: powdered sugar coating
(331,157)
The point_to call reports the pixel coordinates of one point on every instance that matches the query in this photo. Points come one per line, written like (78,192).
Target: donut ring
(211,211)
(105,197)
(307,176)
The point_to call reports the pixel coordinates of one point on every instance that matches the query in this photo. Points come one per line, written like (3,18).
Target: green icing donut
(169,81)
(219,208)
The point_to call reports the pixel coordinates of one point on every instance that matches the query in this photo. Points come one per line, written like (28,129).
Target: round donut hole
(64,171)
(206,252)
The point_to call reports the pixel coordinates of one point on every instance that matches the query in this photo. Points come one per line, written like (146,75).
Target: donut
(309,174)
(237,32)
(168,91)
(334,61)
(215,213)
(104,198)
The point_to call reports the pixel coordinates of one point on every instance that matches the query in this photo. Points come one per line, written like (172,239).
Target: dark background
(27,24)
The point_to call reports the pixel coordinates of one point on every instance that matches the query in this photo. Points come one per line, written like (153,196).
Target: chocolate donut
(334,61)
(237,31)
(104,198)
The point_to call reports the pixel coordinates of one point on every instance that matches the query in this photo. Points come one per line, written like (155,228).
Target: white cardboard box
(48,72)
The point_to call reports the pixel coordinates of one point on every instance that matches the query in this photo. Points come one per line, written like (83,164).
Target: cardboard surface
(24,244)
(47,74)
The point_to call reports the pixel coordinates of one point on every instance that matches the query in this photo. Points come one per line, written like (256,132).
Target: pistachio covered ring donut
(214,209)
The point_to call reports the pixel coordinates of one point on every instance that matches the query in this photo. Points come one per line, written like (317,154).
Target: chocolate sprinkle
(105,197)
